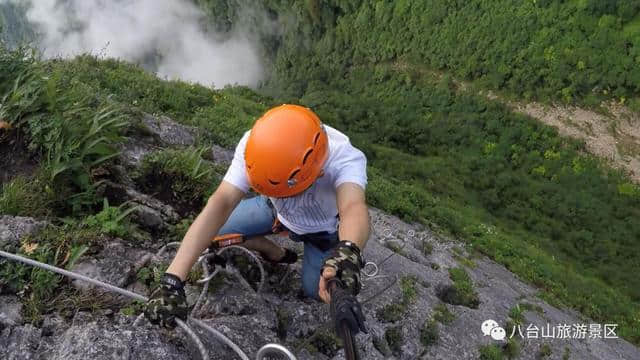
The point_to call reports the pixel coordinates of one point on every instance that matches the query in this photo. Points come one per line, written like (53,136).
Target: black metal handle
(337,292)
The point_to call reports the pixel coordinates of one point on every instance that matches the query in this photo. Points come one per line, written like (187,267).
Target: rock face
(150,213)
(221,155)
(280,315)
(89,338)
(10,311)
(170,132)
(20,342)
(13,228)
(159,131)
(409,299)
(100,340)
(115,265)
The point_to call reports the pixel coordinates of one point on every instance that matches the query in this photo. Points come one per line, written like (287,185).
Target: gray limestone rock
(19,343)
(101,340)
(150,212)
(10,311)
(115,265)
(13,228)
(221,155)
(302,325)
(170,132)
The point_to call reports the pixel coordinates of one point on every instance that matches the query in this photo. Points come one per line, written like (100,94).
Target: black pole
(337,293)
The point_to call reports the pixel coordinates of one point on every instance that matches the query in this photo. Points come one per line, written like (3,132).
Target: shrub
(442,314)
(429,333)
(461,292)
(491,352)
(111,220)
(395,339)
(180,177)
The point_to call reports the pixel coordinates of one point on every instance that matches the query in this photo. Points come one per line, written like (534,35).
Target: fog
(165,36)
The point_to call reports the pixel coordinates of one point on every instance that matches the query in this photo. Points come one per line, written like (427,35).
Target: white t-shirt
(315,209)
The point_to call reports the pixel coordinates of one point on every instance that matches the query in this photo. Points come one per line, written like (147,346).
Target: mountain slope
(427,300)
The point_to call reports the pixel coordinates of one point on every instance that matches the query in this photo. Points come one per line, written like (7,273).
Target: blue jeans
(255,217)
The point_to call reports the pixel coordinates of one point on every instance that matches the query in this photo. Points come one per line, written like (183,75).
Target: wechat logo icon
(491,328)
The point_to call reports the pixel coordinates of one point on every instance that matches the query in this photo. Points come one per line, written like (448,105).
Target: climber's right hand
(167,301)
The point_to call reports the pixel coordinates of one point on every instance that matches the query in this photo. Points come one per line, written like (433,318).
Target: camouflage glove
(167,301)
(346,260)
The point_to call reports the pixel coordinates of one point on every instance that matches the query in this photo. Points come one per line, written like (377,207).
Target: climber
(311,181)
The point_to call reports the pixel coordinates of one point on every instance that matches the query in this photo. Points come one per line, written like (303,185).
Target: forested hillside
(384,72)
(506,184)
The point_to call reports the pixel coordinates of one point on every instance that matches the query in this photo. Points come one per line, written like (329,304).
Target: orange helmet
(286,150)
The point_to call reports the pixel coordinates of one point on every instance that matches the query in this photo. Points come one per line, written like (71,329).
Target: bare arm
(205,227)
(354,226)
(354,214)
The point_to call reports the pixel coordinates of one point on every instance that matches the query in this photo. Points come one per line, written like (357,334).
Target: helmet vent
(315,139)
(274,182)
(306,156)
(292,181)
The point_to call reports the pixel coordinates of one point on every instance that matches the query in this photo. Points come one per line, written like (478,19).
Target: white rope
(221,336)
(234,271)
(203,351)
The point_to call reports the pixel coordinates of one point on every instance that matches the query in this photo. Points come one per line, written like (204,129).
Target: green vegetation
(517,315)
(451,159)
(442,314)
(225,113)
(395,339)
(465,261)
(580,51)
(72,131)
(409,290)
(283,321)
(381,345)
(429,333)
(391,312)
(27,197)
(133,308)
(179,177)
(324,341)
(60,246)
(491,352)
(394,311)
(544,352)
(112,220)
(511,349)
(427,248)
(461,292)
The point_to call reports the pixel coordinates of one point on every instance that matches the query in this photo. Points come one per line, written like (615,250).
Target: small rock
(19,343)
(150,213)
(221,155)
(169,131)
(132,151)
(10,311)
(13,228)
(52,325)
(106,341)
(114,265)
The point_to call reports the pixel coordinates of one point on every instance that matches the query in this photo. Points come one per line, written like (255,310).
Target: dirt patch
(15,158)
(613,135)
